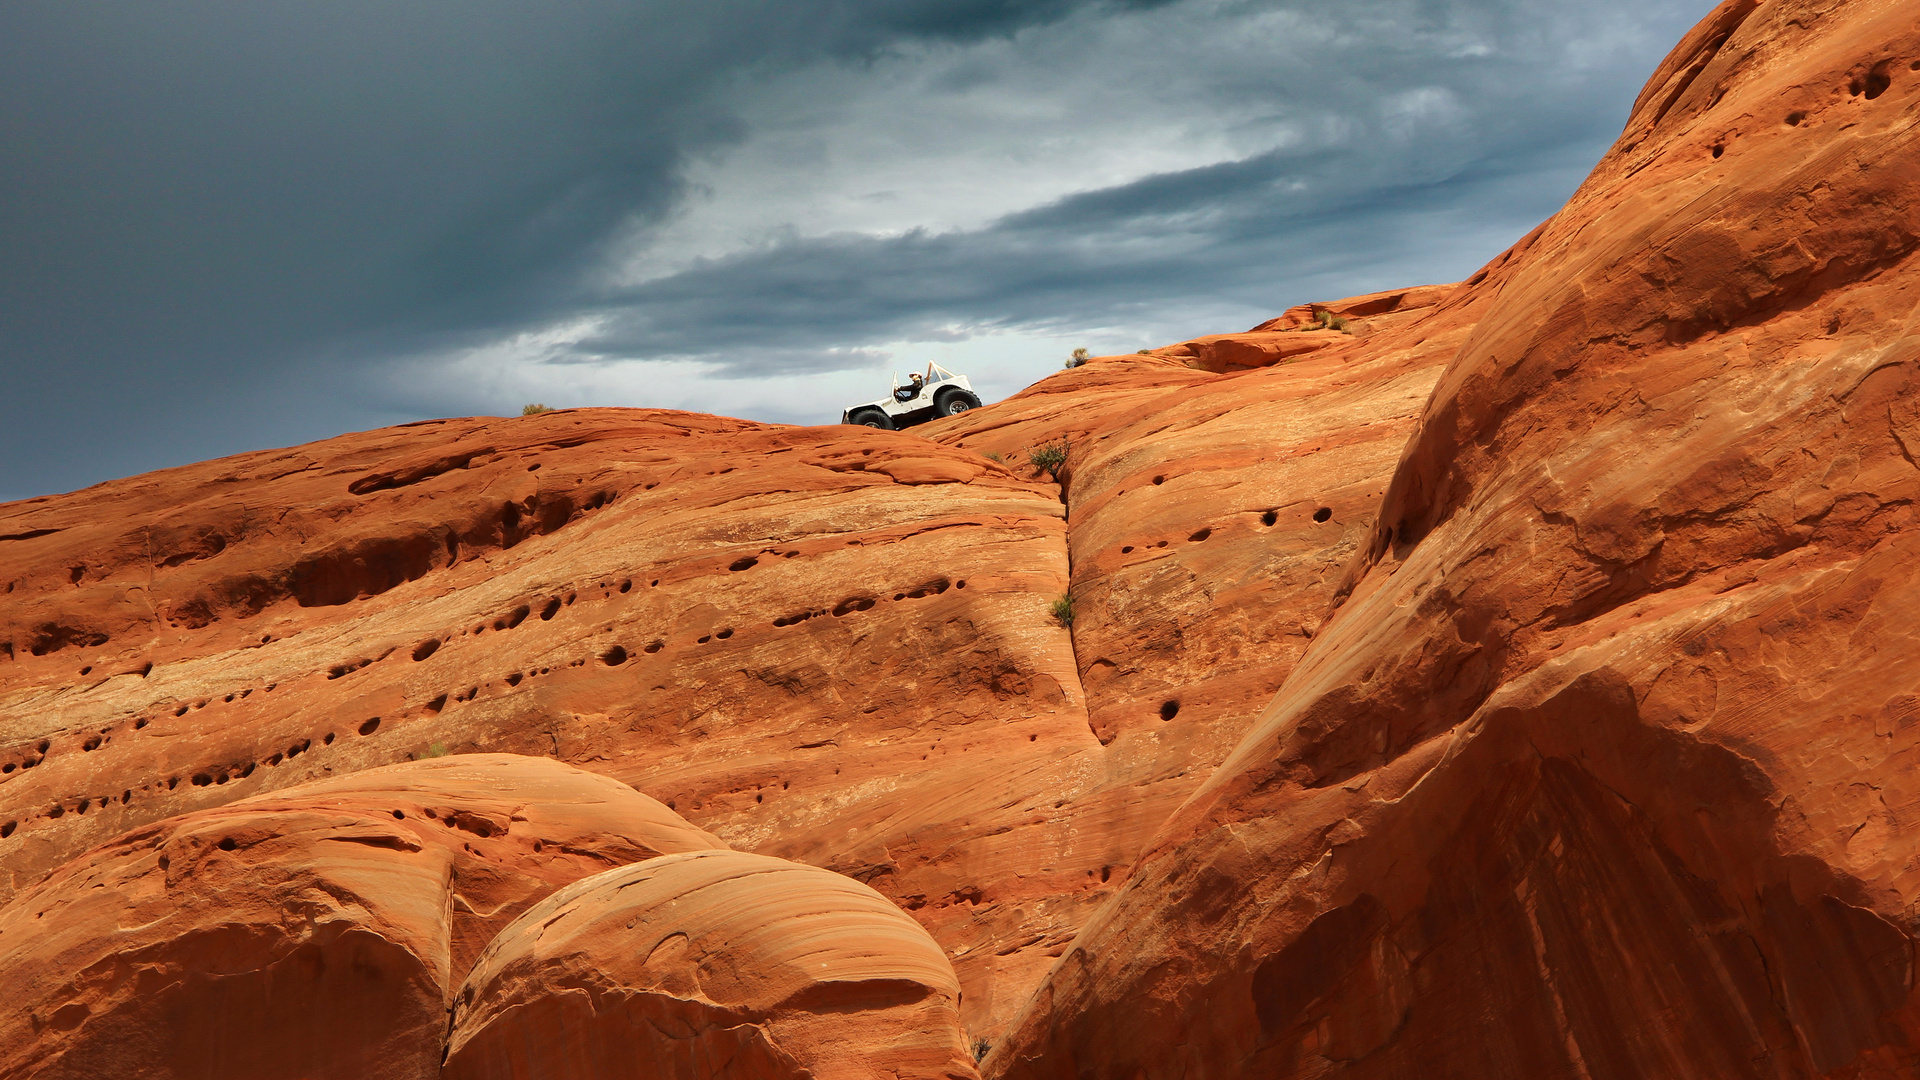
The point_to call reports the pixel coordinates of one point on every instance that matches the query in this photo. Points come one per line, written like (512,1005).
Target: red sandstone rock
(1601,768)
(711,964)
(826,644)
(1229,352)
(1371,312)
(316,932)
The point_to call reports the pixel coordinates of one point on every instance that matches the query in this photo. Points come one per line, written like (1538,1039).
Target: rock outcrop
(1600,767)
(823,644)
(318,932)
(711,964)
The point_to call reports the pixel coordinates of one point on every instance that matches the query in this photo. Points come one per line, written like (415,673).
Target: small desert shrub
(1049,458)
(1327,320)
(995,455)
(1062,610)
(534,409)
(1079,357)
(980,1049)
(437,749)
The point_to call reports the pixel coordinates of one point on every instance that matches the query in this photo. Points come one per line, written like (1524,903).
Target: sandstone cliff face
(1517,682)
(822,644)
(1600,766)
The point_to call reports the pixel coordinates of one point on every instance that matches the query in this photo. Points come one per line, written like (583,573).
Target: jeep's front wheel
(955,402)
(871,418)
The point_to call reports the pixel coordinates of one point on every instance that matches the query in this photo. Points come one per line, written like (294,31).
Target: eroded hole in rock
(6,830)
(514,679)
(58,811)
(201,779)
(181,711)
(91,744)
(400,815)
(1199,536)
(1169,710)
(1323,515)
(704,639)
(437,703)
(426,648)
(616,656)
(744,564)
(551,609)
(1128,550)
(517,616)
(853,603)
(724,634)
(372,725)
(1270,517)
(1158,480)
(140,723)
(654,646)
(626,585)
(1878,80)
(328,741)
(1718,149)
(227,844)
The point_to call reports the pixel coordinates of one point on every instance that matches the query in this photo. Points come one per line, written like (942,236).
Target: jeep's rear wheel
(955,402)
(871,418)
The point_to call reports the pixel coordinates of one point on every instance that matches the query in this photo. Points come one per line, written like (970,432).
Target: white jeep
(941,393)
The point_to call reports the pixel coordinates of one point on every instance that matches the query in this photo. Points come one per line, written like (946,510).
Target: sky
(227,225)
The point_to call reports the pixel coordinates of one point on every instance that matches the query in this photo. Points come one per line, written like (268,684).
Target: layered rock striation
(712,963)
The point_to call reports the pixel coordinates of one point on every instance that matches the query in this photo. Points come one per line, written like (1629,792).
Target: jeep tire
(954,402)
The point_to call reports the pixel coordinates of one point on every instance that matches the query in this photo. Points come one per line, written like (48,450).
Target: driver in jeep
(911,390)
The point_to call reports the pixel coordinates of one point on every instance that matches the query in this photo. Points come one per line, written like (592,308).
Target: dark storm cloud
(198,199)
(1365,202)
(1208,234)
(216,218)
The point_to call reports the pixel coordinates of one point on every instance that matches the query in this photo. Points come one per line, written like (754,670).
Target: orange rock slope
(315,932)
(1604,764)
(711,963)
(1509,678)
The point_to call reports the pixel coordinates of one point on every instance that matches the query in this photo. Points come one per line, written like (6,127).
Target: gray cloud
(221,222)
